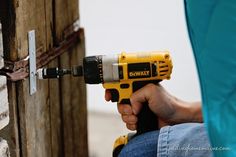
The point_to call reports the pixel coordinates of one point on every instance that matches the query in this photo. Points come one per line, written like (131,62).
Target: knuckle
(131,127)
(151,87)
(129,119)
(125,118)
(134,119)
(123,109)
(127,110)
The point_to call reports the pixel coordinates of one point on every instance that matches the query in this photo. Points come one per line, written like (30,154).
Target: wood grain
(55,115)
(79,107)
(34,113)
(73,93)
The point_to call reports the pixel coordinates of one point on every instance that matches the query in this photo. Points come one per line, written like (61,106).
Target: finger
(124,109)
(129,119)
(107,95)
(139,97)
(131,127)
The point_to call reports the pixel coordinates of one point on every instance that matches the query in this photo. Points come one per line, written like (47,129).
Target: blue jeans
(182,140)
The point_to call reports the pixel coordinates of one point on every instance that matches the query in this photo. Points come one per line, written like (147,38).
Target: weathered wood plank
(34,120)
(66,109)
(73,98)
(54,97)
(34,111)
(68,11)
(62,12)
(31,14)
(55,115)
(78,95)
(73,89)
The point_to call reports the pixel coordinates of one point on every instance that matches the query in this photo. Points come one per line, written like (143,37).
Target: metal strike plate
(32,62)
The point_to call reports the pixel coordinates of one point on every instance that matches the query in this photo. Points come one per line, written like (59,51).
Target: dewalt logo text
(139,73)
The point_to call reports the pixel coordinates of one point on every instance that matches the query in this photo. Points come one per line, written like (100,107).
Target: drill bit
(46,73)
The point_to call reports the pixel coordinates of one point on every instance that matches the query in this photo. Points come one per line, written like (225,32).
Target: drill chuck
(101,69)
(93,69)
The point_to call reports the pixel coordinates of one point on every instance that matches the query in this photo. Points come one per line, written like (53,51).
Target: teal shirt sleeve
(212,30)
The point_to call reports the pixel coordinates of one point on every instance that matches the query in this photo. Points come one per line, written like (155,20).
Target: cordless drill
(122,75)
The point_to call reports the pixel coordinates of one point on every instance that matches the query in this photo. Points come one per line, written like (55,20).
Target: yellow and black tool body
(134,71)
(122,75)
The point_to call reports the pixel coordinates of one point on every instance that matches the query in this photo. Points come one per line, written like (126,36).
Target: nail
(126,111)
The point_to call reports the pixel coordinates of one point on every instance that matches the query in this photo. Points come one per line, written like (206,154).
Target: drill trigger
(114,95)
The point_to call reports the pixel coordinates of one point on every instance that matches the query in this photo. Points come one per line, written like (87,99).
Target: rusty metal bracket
(19,70)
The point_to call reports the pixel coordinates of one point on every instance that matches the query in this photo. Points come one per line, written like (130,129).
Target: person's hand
(126,112)
(168,108)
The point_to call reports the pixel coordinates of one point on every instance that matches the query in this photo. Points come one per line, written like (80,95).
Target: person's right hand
(126,112)
(168,108)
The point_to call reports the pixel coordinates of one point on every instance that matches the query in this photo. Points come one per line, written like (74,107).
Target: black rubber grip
(147,120)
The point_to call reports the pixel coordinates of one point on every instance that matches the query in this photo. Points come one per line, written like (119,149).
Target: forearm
(188,112)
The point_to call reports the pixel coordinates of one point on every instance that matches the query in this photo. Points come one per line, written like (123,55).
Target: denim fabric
(144,145)
(183,140)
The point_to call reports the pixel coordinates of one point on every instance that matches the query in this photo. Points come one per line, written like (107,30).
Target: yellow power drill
(122,74)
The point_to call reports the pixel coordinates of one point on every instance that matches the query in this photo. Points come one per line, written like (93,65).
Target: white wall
(112,26)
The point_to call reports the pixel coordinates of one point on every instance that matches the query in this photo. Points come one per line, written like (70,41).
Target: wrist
(195,110)
(187,112)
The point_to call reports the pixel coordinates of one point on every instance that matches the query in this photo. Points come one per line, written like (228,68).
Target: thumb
(138,98)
